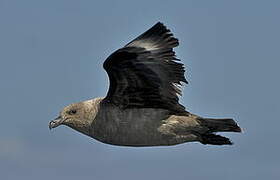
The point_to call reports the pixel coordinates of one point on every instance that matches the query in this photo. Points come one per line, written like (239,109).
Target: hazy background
(51,54)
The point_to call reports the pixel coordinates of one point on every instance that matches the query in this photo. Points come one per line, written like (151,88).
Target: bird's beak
(56,122)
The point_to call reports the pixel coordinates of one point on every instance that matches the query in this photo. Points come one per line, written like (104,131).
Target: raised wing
(145,73)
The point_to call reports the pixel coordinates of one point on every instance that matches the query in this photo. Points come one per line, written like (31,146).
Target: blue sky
(51,54)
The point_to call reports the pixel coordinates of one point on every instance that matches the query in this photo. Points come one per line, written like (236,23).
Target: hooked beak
(56,122)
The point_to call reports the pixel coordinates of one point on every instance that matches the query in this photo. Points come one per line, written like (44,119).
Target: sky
(51,55)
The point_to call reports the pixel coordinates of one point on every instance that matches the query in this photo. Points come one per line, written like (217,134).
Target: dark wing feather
(145,73)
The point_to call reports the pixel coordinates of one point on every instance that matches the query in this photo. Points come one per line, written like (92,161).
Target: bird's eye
(71,112)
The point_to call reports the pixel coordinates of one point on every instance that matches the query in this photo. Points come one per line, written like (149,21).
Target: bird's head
(77,116)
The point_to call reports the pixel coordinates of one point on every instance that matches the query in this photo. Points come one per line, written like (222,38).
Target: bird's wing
(145,73)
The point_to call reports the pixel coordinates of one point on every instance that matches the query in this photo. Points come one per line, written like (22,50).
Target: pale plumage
(142,106)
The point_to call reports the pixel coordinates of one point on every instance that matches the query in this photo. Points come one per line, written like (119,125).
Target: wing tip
(158,37)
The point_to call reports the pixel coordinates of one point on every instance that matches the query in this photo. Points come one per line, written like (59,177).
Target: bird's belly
(139,139)
(133,127)
(129,134)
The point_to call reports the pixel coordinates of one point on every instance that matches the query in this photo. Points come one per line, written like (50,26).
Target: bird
(142,106)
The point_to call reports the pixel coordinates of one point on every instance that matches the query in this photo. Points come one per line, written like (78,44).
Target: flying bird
(142,106)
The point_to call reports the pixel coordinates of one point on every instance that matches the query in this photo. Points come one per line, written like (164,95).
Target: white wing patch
(148,45)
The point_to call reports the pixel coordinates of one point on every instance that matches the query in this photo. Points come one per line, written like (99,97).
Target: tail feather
(220,125)
(217,125)
(215,139)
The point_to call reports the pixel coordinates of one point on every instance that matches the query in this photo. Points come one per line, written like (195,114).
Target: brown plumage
(142,106)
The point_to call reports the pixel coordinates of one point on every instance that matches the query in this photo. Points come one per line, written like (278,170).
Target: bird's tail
(217,125)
